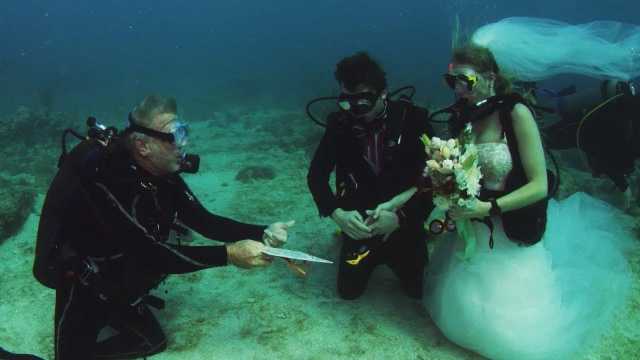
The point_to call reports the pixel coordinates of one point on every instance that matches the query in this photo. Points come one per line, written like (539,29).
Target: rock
(251,173)
(17,197)
(29,127)
(572,181)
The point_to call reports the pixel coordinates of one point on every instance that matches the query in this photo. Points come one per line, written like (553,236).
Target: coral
(35,143)
(30,127)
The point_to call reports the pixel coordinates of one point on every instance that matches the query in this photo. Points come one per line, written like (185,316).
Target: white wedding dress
(547,301)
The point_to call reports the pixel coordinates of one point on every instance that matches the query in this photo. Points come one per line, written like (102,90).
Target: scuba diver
(603,123)
(103,238)
(373,145)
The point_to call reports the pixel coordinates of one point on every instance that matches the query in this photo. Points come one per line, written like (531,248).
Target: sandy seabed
(229,313)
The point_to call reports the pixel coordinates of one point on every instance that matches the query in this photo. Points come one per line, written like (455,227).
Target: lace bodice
(495,164)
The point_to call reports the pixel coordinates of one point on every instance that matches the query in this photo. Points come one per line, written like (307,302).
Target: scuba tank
(74,168)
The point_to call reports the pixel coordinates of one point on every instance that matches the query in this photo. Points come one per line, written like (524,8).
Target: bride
(522,298)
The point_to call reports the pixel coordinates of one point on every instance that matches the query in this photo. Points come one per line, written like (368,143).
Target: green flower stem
(467,234)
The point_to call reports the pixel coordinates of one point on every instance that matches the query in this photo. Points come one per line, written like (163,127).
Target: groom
(373,145)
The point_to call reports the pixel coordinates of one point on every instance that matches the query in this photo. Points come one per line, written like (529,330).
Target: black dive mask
(357,104)
(178,136)
(190,163)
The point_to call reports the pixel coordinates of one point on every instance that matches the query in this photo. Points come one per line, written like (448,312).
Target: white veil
(533,49)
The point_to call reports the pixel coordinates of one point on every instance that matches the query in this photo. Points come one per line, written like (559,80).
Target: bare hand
(352,224)
(276,234)
(479,210)
(385,206)
(384,223)
(247,254)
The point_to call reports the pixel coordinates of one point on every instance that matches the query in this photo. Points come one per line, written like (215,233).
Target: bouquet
(452,166)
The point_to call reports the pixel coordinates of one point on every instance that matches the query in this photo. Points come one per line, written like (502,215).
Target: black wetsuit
(121,224)
(608,136)
(4,354)
(362,186)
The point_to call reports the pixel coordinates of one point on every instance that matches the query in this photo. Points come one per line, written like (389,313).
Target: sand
(229,313)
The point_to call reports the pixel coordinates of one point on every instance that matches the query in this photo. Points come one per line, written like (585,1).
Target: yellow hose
(584,118)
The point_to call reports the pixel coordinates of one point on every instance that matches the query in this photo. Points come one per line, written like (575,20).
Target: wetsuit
(4,354)
(608,136)
(373,164)
(119,225)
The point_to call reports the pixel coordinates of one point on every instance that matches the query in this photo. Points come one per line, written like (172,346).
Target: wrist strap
(495,208)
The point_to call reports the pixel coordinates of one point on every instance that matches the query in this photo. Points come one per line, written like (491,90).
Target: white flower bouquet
(452,167)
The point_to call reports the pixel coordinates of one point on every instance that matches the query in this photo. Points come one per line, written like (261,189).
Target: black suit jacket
(358,187)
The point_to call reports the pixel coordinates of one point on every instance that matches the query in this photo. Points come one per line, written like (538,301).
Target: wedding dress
(547,301)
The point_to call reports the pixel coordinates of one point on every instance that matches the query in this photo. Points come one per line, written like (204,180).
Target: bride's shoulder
(520,111)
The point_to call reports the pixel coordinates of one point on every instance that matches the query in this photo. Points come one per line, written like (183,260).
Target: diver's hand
(385,206)
(276,234)
(247,254)
(351,223)
(395,203)
(384,223)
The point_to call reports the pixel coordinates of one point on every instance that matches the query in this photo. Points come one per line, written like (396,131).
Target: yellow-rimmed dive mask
(469,81)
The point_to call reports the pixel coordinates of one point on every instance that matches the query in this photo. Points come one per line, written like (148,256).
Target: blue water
(101,57)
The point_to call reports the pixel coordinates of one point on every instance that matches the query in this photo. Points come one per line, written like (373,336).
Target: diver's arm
(413,203)
(125,233)
(194,215)
(399,200)
(178,259)
(416,208)
(175,259)
(395,203)
(323,163)
(533,161)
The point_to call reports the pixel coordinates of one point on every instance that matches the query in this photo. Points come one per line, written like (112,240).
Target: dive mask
(357,104)
(470,81)
(179,133)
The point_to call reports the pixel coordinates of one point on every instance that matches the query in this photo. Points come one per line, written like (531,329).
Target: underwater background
(242,73)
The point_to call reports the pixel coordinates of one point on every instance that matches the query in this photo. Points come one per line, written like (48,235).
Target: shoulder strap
(509,102)
(413,118)
(507,127)
(398,110)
